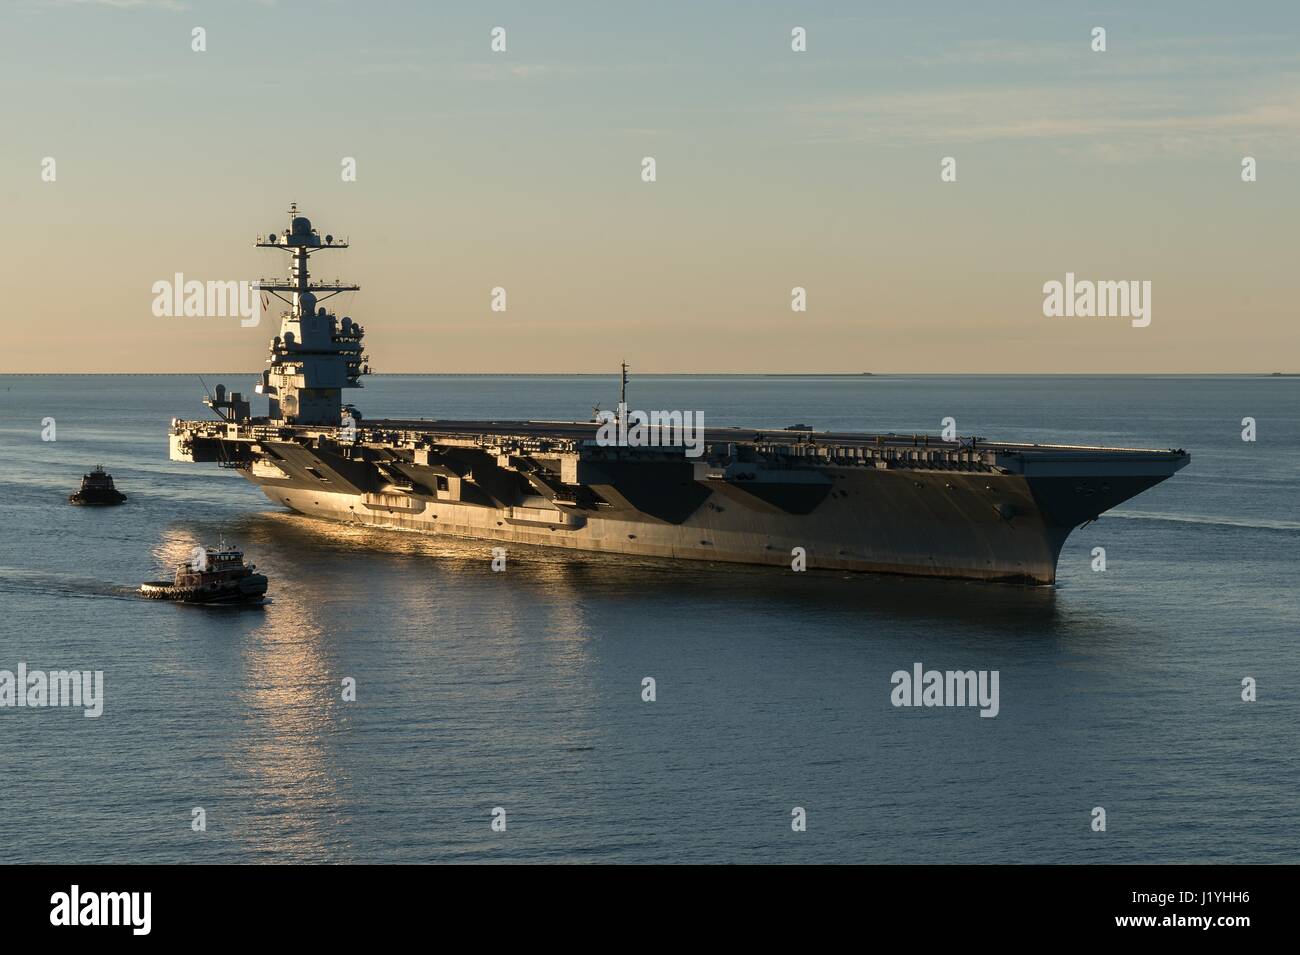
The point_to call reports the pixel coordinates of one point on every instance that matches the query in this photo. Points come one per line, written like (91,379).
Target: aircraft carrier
(907,504)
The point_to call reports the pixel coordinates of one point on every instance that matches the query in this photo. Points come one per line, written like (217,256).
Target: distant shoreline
(684,374)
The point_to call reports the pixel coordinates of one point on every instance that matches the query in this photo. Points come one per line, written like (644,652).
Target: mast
(622,394)
(315,355)
(301,240)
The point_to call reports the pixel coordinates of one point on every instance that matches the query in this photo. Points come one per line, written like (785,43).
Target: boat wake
(1266,525)
(16,580)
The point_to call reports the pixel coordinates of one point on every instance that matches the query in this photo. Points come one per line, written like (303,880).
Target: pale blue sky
(775,169)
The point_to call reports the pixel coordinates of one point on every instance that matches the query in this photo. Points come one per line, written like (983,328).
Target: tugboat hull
(86,499)
(250,589)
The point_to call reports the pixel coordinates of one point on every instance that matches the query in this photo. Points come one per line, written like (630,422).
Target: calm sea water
(522,689)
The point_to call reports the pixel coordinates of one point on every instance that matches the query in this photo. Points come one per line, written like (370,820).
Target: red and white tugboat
(97,488)
(213,575)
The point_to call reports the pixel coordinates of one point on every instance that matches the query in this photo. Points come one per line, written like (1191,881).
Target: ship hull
(980,527)
(96,498)
(976,510)
(248,589)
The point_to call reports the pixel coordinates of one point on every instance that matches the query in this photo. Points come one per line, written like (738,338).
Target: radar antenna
(317,352)
(622,394)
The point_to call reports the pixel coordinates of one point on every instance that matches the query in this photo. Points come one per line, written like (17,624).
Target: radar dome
(308,303)
(301,225)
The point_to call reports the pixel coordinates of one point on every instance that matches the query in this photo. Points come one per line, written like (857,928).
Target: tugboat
(214,575)
(97,488)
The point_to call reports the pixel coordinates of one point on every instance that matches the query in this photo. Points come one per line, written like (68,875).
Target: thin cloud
(121,4)
(1122,117)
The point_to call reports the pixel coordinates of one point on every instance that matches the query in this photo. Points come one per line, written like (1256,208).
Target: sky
(775,169)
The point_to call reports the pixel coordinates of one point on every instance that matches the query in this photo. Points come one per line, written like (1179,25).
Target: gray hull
(990,524)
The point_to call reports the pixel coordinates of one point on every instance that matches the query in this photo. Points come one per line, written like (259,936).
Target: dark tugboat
(212,576)
(97,488)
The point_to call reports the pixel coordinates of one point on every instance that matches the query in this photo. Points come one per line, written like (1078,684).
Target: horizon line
(693,374)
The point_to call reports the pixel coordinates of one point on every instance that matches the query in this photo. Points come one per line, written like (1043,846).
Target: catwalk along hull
(876,503)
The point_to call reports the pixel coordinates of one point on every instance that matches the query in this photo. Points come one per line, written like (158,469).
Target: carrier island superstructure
(909,504)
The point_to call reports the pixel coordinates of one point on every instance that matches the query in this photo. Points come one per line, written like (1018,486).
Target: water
(522,690)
